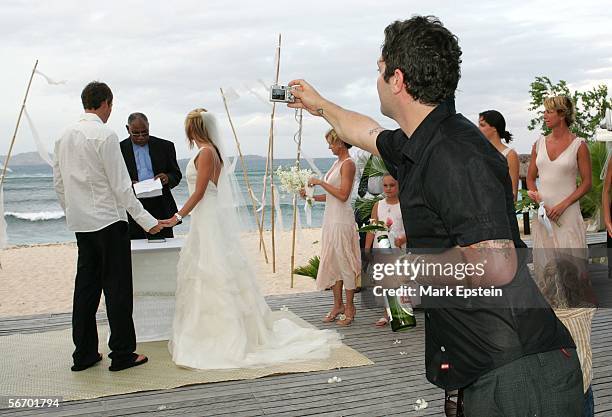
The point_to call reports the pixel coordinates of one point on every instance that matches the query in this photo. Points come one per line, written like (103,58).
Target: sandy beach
(39,279)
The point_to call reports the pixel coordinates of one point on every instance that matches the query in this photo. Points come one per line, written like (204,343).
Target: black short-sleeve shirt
(455,190)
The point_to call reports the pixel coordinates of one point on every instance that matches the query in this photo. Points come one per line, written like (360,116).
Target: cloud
(167,58)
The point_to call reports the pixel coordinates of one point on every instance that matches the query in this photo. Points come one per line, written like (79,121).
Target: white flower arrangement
(292,180)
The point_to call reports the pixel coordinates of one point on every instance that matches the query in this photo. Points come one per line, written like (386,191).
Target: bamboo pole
(262,244)
(299,151)
(8,155)
(270,163)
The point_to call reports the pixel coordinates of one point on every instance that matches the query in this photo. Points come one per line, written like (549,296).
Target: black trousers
(104,264)
(545,384)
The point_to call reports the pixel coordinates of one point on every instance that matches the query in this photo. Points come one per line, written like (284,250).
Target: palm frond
(310,269)
(364,206)
(375,168)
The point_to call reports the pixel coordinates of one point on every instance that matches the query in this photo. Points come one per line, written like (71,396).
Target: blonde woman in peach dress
(557,159)
(340,264)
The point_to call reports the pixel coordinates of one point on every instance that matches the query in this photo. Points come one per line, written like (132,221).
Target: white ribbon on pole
(261,97)
(263,83)
(40,147)
(49,79)
(263,195)
(311,163)
(308,212)
(278,211)
(230,94)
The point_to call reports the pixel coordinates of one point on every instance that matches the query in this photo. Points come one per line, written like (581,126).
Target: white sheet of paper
(148,188)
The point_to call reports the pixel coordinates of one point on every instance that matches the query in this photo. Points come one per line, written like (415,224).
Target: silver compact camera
(281,94)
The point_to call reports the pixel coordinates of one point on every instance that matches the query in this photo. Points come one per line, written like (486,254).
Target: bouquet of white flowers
(292,180)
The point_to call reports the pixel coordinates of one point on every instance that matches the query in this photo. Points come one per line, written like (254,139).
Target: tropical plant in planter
(374,169)
(590,203)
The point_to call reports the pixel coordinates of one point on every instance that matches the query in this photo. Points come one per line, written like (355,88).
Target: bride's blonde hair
(197,130)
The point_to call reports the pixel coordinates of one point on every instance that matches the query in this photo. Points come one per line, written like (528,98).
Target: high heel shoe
(346,320)
(329,317)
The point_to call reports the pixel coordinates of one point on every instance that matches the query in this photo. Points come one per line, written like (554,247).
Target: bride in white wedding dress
(221,320)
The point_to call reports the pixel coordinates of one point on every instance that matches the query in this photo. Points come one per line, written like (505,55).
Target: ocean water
(33,213)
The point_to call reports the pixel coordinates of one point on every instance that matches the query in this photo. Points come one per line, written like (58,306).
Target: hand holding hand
(306,97)
(157,228)
(171,222)
(163,178)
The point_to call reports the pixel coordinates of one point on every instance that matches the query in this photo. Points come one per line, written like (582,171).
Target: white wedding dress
(221,319)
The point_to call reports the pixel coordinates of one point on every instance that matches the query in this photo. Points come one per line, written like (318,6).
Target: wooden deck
(388,388)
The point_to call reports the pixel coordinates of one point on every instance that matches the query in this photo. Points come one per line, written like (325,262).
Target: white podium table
(154,282)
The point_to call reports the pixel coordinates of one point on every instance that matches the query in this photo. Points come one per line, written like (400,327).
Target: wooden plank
(364,391)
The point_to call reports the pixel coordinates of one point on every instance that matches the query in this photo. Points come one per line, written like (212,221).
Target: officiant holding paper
(154,171)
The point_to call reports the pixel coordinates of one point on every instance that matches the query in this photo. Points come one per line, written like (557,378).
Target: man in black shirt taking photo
(510,356)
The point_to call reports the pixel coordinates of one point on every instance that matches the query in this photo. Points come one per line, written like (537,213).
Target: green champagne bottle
(400,312)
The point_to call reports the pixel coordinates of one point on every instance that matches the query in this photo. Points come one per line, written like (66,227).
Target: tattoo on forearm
(494,244)
(320,111)
(503,244)
(376,130)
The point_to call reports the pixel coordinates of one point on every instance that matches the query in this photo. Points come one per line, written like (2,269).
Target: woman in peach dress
(557,159)
(340,264)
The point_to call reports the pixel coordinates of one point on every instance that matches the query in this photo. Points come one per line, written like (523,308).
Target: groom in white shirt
(95,190)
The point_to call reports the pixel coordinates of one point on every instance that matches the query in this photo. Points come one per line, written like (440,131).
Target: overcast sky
(166,58)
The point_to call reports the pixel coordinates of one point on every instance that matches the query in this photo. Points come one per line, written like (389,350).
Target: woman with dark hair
(493,125)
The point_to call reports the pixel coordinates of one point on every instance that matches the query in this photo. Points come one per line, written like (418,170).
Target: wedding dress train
(221,319)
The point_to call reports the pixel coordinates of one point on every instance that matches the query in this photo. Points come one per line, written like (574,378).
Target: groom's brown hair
(94,94)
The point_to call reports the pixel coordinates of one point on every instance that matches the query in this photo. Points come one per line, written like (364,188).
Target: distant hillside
(24,159)
(33,159)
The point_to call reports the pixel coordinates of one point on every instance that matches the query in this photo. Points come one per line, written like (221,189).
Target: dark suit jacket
(163,160)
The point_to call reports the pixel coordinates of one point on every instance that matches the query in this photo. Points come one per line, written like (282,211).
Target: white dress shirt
(91,180)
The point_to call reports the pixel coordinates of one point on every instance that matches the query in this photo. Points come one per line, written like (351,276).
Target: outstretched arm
(352,127)
(119,181)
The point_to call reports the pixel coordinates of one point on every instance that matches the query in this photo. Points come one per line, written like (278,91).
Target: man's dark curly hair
(427,53)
